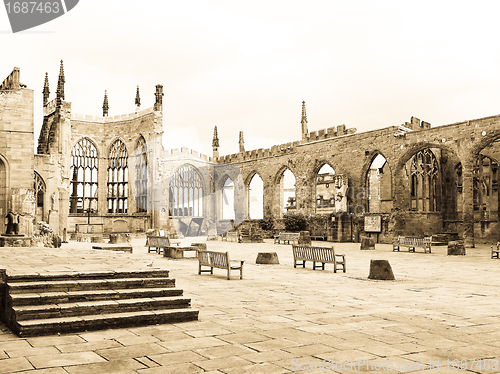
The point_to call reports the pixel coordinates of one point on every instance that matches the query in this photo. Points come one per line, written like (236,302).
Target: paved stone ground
(279,319)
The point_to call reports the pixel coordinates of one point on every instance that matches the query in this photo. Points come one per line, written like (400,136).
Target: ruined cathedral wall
(103,132)
(170,161)
(17,155)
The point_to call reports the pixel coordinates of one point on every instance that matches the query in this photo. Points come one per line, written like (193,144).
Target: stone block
(380,270)
(267,258)
(456,248)
(367,243)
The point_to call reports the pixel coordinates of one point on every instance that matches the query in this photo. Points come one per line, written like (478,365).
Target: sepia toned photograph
(235,187)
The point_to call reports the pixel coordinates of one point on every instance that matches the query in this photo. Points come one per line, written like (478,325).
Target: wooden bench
(495,252)
(318,234)
(412,242)
(287,237)
(231,236)
(218,260)
(159,243)
(318,255)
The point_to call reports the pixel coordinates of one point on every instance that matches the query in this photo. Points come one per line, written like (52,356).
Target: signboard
(373,223)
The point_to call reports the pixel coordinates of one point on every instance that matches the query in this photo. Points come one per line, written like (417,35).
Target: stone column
(268,200)
(468,204)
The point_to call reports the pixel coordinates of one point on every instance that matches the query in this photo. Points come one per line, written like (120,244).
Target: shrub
(295,222)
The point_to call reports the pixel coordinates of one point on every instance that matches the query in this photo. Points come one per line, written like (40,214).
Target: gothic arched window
(118,178)
(39,186)
(84,167)
(424,191)
(186,193)
(141,176)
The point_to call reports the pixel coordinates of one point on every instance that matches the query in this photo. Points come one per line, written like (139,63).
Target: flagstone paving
(281,319)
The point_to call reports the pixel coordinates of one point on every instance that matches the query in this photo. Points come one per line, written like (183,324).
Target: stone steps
(37,304)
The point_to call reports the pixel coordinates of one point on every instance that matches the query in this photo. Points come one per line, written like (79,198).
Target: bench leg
(228,272)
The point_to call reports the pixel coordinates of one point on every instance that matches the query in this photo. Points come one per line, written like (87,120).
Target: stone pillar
(468,205)
(267,200)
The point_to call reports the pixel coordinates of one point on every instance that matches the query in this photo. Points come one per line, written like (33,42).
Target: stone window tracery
(141,176)
(84,168)
(485,187)
(424,172)
(40,189)
(118,178)
(186,193)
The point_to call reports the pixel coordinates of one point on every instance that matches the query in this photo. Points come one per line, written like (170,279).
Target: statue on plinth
(12,223)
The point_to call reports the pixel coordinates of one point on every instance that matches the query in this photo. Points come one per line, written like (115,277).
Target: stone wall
(16,152)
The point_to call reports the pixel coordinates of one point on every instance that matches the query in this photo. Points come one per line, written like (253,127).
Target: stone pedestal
(456,248)
(119,238)
(202,246)
(15,241)
(381,270)
(267,258)
(367,243)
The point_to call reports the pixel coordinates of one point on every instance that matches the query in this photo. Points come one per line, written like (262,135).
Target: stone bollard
(456,248)
(268,258)
(381,270)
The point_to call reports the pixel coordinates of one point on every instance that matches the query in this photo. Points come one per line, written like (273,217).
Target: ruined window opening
(40,189)
(228,199)
(379,186)
(485,188)
(186,193)
(84,167)
(118,178)
(458,172)
(326,190)
(141,176)
(287,191)
(424,189)
(256,197)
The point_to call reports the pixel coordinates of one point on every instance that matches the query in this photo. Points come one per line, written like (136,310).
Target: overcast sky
(248,65)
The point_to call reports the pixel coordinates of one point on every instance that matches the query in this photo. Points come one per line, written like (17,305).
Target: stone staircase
(40,304)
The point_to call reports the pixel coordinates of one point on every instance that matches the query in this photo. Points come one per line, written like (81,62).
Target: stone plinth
(456,248)
(202,246)
(119,238)
(177,252)
(124,248)
(267,258)
(367,243)
(381,270)
(15,241)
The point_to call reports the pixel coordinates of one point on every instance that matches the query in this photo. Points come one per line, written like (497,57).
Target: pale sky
(248,66)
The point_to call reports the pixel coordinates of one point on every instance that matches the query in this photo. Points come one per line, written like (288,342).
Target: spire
(137,100)
(215,143)
(46,91)
(105,106)
(159,98)
(60,83)
(242,143)
(303,121)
